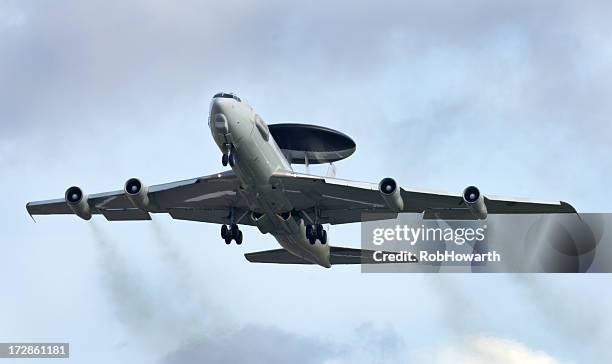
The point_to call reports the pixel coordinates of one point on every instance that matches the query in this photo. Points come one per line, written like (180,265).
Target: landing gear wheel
(319,231)
(228,240)
(239,238)
(308,231)
(232,159)
(314,232)
(224,232)
(323,237)
(224,159)
(234,230)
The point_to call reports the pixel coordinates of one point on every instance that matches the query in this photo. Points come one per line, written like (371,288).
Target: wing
(338,201)
(207,199)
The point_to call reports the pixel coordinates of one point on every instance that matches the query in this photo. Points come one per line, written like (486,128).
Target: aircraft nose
(219,115)
(217,106)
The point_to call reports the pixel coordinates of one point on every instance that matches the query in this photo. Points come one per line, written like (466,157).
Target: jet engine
(475,202)
(256,216)
(137,193)
(284,215)
(262,222)
(391,194)
(77,201)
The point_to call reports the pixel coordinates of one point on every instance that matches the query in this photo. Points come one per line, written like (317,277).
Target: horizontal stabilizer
(278,256)
(338,255)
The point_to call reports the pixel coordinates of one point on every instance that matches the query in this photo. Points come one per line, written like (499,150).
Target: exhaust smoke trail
(130,299)
(158,317)
(457,309)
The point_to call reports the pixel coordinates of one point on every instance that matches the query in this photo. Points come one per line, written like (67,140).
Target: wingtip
(250,257)
(569,207)
(30,212)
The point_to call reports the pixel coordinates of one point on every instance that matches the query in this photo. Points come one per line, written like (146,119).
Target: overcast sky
(511,96)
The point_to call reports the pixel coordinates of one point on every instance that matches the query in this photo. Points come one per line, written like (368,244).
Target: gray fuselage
(233,124)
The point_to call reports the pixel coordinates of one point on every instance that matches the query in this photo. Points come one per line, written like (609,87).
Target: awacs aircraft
(262,190)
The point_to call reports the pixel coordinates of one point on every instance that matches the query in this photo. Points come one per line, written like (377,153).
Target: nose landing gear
(231,233)
(232,159)
(314,232)
(229,157)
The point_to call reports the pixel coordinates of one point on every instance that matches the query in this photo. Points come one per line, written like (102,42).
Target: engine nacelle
(256,216)
(285,216)
(262,222)
(475,202)
(137,193)
(77,201)
(390,192)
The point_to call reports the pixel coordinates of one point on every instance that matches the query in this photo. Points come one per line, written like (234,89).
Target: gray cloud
(100,61)
(254,344)
(369,343)
(496,84)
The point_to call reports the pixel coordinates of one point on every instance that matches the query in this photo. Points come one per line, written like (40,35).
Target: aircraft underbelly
(256,160)
(298,245)
(290,233)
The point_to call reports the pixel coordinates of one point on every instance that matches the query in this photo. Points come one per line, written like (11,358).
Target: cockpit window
(227,95)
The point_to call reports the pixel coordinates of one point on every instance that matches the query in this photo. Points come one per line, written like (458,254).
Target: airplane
(261,189)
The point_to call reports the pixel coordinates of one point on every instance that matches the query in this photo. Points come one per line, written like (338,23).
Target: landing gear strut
(314,232)
(229,157)
(231,233)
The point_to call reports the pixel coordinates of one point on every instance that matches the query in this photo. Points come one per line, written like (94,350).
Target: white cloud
(484,350)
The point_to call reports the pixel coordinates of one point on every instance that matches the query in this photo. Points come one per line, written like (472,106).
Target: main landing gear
(314,232)
(229,157)
(231,233)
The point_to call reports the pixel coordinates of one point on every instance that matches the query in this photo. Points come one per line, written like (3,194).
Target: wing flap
(448,214)
(345,216)
(126,215)
(509,205)
(218,216)
(108,201)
